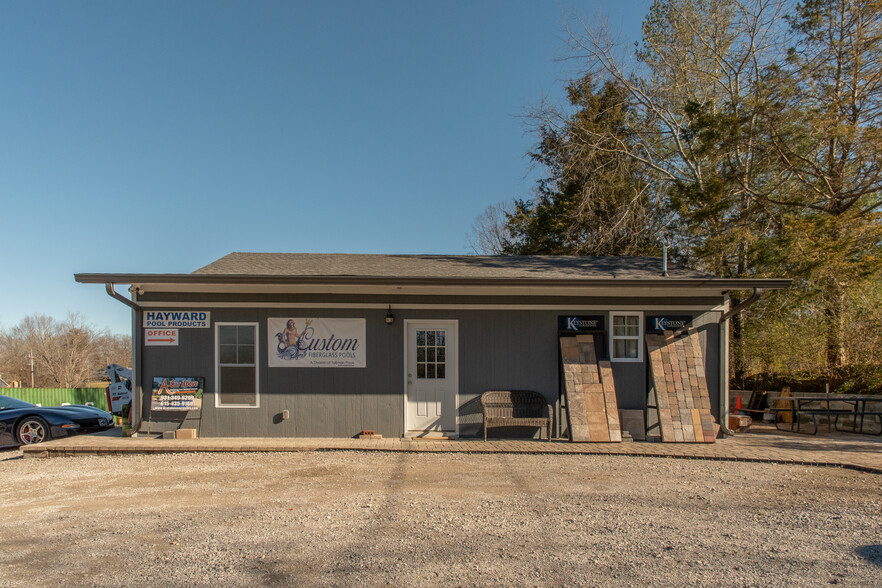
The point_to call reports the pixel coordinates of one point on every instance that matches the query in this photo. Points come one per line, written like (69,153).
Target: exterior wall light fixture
(390,318)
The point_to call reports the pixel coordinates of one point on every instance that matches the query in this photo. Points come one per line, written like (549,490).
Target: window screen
(626,336)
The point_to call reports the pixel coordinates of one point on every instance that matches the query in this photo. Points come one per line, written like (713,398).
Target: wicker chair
(515,408)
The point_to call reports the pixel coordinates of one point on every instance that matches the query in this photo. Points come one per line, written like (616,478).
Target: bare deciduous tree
(490,232)
(65,353)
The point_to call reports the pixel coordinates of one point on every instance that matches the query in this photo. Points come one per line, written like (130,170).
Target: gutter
(135,414)
(724,357)
(330,280)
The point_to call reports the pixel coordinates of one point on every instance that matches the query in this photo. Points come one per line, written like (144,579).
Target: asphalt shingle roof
(443,266)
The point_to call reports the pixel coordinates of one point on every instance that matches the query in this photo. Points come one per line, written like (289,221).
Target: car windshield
(7,403)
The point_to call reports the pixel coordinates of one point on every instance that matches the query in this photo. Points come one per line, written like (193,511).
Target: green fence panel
(57,396)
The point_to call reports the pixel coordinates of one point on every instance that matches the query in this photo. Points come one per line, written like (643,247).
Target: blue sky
(159,136)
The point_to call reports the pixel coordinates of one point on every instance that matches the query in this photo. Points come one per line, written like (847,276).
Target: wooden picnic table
(816,406)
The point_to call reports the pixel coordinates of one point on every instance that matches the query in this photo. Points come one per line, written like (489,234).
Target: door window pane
(431,354)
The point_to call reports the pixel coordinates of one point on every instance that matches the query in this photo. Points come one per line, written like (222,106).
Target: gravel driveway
(368,519)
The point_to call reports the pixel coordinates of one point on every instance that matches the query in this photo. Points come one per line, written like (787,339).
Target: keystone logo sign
(580,324)
(667,323)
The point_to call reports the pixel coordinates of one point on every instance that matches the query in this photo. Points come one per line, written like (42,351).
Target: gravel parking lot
(356,518)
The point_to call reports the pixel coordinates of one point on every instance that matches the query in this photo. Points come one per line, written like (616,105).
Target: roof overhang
(423,284)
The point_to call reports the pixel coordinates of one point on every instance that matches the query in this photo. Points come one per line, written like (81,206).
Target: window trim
(255,365)
(613,338)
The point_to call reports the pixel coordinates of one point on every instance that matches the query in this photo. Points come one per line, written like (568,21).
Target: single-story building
(330,345)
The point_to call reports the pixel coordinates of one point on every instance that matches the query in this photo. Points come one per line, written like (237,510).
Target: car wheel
(32,430)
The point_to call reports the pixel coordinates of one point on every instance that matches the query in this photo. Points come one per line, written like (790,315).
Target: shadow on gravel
(871,553)
(10,454)
(815,444)
(359,555)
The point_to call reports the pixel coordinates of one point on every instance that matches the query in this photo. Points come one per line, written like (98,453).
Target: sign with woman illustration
(316,342)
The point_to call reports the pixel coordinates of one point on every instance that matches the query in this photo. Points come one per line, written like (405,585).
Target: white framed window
(236,359)
(626,336)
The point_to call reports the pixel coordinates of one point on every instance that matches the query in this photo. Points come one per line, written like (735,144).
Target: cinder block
(632,421)
(738,422)
(185,434)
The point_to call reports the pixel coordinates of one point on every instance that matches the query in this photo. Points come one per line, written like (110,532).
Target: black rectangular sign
(580,324)
(659,323)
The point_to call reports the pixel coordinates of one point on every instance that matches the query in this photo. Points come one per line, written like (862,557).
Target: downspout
(136,353)
(724,356)
(742,305)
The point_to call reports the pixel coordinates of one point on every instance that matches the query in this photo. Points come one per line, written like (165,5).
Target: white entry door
(431,376)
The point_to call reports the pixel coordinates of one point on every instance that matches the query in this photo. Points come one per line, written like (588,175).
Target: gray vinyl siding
(498,349)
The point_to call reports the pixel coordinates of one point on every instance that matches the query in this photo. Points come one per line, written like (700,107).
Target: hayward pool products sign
(659,324)
(580,324)
(177,319)
(316,342)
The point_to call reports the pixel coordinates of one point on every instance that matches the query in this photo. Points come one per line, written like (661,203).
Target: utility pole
(31,359)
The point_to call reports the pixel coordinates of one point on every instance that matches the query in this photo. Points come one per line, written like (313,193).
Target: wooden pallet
(682,396)
(592,409)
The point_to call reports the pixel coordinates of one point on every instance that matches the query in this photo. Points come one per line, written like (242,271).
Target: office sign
(166,337)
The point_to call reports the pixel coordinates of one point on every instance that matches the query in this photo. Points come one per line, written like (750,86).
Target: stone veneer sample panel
(677,371)
(592,410)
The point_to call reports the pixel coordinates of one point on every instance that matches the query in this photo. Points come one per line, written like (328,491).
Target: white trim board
(411,306)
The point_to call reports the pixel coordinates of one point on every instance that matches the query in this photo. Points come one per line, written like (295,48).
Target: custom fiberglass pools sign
(316,342)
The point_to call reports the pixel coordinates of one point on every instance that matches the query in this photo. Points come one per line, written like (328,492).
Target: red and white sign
(161,337)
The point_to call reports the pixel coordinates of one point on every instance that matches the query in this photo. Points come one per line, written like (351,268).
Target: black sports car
(23,423)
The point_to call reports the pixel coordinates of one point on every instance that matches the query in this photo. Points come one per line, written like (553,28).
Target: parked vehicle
(23,423)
